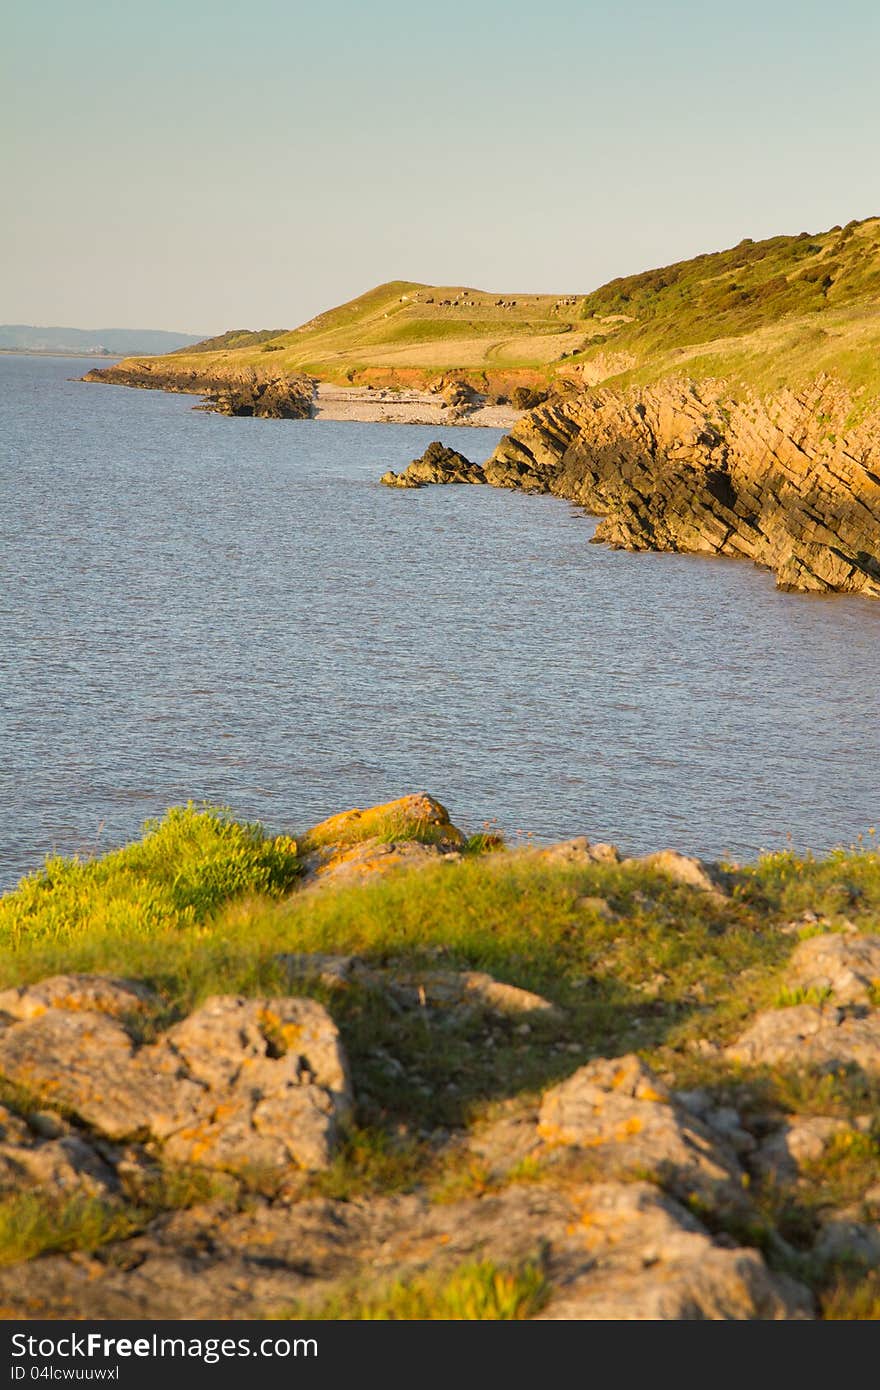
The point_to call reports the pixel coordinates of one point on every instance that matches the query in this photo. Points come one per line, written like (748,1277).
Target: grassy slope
(765,314)
(202,905)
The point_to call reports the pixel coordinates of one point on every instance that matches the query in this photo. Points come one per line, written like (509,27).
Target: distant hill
(763,314)
(107,342)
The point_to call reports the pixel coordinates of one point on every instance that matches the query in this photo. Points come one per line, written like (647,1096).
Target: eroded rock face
(610,1250)
(238,1084)
(788,482)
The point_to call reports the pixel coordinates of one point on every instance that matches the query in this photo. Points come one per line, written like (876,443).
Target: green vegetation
(761,314)
(40,1223)
(183,869)
(476,1291)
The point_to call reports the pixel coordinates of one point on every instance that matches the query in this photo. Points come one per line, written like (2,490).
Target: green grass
(35,1222)
(761,315)
(479,1290)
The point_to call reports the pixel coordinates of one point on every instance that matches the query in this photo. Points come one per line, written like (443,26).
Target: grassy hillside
(768,313)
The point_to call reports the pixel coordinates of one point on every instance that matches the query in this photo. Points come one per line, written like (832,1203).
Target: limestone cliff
(791,482)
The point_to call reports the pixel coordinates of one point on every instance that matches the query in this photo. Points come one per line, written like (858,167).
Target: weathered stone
(628,1120)
(87,1063)
(239,1083)
(652,1261)
(610,1250)
(845,1237)
(369,859)
(847,966)
(788,1151)
(806,1035)
(409,989)
(60,1160)
(682,868)
(577,851)
(102,994)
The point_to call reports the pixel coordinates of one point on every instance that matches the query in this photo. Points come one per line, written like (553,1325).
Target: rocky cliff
(791,481)
(229,389)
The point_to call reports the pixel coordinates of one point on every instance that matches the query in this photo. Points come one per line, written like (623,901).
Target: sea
(234,612)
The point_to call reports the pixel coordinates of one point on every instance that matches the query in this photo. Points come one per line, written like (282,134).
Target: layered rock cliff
(230,389)
(791,482)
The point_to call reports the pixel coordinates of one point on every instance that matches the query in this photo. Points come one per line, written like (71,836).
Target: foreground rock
(438,464)
(616,1113)
(239,1083)
(846,968)
(609,1250)
(412,831)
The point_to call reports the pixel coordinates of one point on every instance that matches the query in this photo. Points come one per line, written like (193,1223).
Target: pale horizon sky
(193,166)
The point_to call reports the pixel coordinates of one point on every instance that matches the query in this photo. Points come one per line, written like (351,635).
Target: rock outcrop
(791,482)
(228,389)
(410,832)
(438,464)
(610,1251)
(837,1024)
(240,1082)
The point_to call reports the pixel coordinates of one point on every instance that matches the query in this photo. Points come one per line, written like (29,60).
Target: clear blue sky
(200,164)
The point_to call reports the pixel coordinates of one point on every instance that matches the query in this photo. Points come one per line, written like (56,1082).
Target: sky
(198,165)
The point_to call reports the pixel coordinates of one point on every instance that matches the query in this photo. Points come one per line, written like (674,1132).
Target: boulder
(848,967)
(240,1082)
(807,1035)
(620,1112)
(787,1152)
(682,868)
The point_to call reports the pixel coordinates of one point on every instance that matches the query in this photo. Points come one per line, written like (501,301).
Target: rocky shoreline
(218,1160)
(238,391)
(791,483)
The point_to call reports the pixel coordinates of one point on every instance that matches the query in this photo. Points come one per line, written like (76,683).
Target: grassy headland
(763,314)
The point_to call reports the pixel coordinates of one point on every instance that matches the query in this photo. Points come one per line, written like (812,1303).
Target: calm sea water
(235,611)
